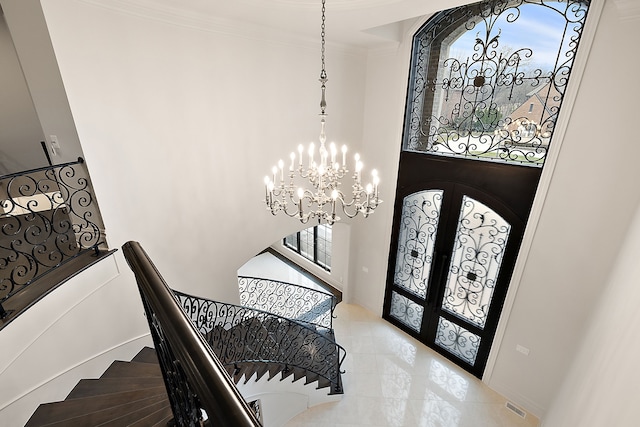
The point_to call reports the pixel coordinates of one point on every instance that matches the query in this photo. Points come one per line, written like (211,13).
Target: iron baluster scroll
(493,99)
(48,216)
(288,300)
(240,334)
(199,390)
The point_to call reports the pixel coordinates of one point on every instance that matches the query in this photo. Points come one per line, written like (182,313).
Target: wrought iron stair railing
(248,341)
(48,217)
(288,300)
(195,380)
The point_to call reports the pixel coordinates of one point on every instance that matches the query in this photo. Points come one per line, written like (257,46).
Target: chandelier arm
(323,176)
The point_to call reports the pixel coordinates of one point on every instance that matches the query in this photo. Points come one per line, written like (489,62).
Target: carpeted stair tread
(146,355)
(132,369)
(52,412)
(107,416)
(96,387)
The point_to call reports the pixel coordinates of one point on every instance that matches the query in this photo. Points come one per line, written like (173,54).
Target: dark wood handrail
(206,376)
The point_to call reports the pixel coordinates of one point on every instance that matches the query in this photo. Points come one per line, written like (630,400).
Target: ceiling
(357,23)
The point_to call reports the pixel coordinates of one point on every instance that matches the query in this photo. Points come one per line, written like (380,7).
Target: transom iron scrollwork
(477,92)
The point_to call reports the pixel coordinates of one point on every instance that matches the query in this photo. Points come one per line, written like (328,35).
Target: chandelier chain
(315,189)
(323,73)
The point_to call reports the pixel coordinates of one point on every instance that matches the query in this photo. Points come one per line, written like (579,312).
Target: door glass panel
(479,245)
(457,340)
(406,311)
(418,226)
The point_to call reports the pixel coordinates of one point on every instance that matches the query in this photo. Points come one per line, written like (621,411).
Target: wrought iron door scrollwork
(418,227)
(481,240)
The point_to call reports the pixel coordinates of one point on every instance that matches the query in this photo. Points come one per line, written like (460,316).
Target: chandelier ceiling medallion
(311,189)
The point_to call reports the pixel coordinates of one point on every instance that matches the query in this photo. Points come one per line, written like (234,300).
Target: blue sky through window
(538,28)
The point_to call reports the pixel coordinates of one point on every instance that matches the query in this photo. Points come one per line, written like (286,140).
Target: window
(314,244)
(477,69)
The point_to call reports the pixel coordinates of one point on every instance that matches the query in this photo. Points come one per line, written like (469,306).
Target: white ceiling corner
(629,9)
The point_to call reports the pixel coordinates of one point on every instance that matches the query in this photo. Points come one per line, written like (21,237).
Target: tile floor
(392,379)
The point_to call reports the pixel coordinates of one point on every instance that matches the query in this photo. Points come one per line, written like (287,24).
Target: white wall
(32,43)
(384,111)
(602,385)
(20,131)
(75,332)
(180,121)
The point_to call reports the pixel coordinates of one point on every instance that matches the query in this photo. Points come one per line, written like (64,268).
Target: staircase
(267,356)
(248,341)
(244,341)
(127,394)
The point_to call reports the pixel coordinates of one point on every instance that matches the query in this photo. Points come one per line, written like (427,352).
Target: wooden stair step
(274,369)
(132,369)
(157,418)
(51,412)
(146,355)
(164,422)
(125,419)
(311,377)
(242,369)
(96,387)
(261,369)
(286,373)
(108,415)
(298,374)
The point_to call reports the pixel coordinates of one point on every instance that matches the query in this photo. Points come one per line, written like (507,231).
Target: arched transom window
(488,79)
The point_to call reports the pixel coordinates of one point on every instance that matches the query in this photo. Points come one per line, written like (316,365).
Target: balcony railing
(48,217)
(288,300)
(246,335)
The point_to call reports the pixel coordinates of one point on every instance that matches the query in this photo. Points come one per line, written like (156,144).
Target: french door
(457,231)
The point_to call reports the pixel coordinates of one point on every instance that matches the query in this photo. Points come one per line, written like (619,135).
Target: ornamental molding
(629,9)
(163,13)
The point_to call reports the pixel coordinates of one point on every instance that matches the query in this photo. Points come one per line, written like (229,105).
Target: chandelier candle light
(323,177)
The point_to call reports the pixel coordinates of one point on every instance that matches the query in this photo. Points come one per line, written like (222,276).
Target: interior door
(454,246)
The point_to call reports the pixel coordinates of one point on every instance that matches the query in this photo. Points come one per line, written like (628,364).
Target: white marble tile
(391,378)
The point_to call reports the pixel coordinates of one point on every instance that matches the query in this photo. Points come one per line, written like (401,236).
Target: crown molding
(629,9)
(183,17)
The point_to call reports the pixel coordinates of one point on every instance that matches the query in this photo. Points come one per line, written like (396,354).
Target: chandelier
(313,188)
